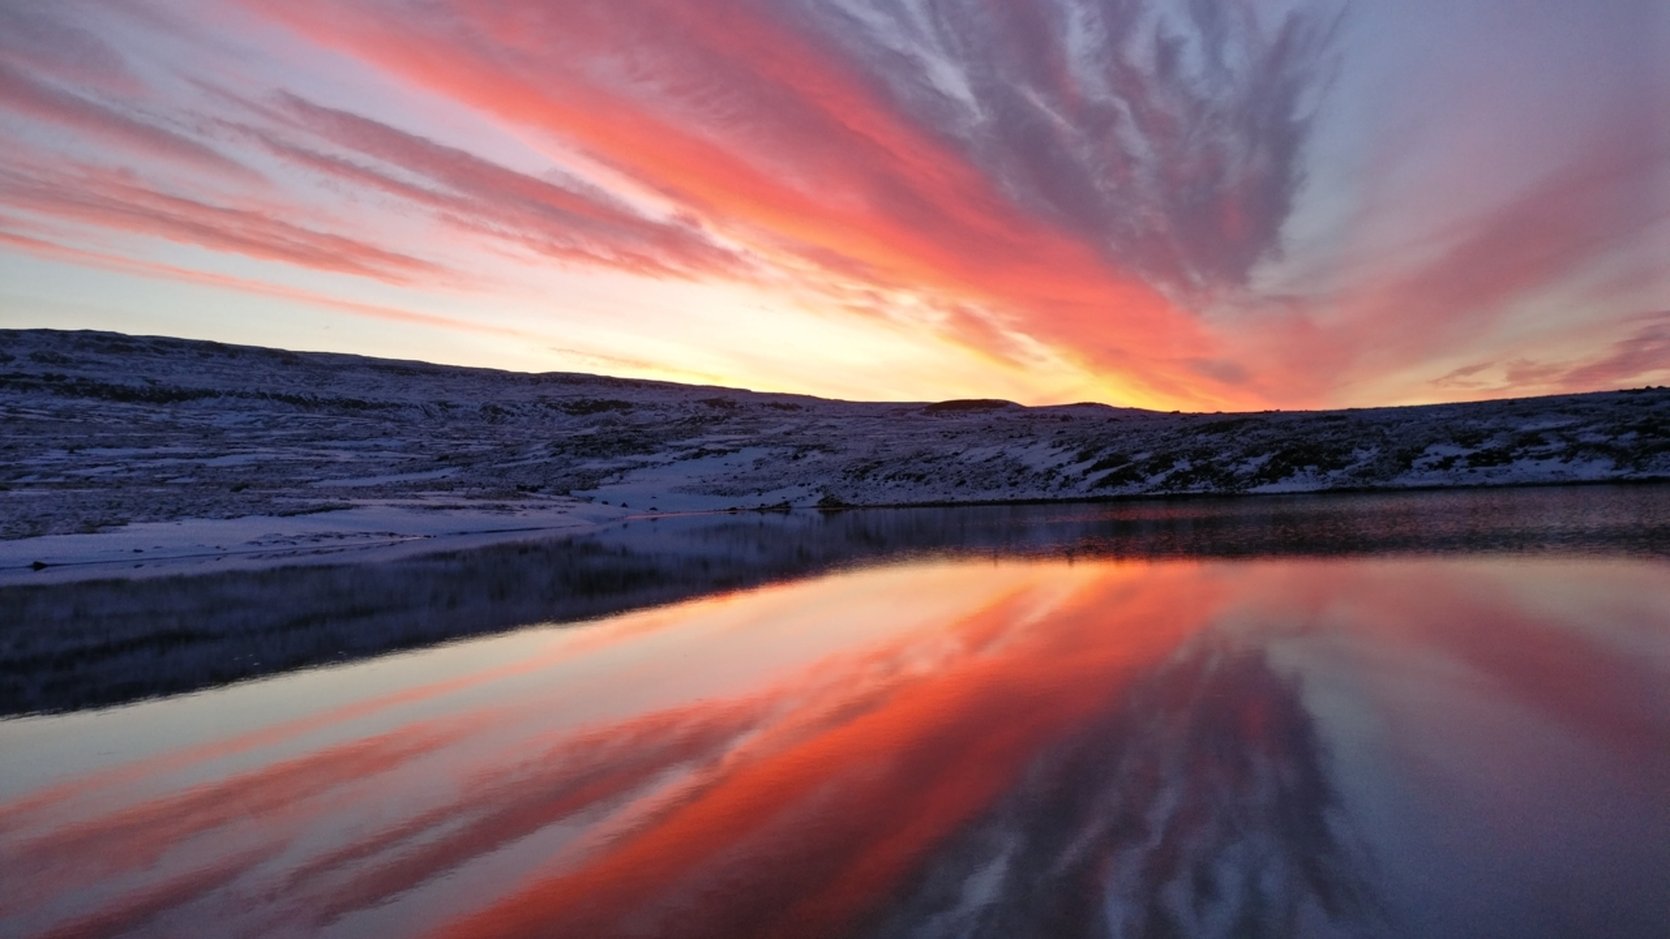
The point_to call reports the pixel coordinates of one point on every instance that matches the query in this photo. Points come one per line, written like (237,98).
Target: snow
(147,549)
(678,486)
(356,482)
(107,440)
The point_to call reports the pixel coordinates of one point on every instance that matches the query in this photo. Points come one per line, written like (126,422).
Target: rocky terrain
(104,434)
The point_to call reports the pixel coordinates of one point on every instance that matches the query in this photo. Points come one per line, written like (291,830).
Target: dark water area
(83,645)
(1441,714)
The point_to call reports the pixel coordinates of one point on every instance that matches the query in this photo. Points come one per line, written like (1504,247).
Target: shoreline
(92,635)
(130,456)
(374,534)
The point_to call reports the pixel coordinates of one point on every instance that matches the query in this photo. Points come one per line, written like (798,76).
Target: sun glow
(1021,203)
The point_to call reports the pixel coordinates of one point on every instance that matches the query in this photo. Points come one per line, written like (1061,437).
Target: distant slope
(101,429)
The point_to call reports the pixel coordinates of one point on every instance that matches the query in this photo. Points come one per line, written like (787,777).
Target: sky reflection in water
(1365,746)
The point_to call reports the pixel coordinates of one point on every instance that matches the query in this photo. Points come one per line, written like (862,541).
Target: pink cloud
(1640,357)
(53,251)
(42,101)
(122,202)
(491,200)
(783,143)
(1095,187)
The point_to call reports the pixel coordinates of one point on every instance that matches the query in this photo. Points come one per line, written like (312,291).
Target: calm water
(1018,743)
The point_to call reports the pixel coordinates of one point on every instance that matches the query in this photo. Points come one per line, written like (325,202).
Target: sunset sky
(1198,204)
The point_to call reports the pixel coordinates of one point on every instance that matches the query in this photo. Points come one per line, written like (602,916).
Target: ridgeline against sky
(1189,204)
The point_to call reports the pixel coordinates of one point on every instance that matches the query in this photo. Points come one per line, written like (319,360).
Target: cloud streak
(22,94)
(486,199)
(1641,357)
(768,121)
(118,202)
(1108,190)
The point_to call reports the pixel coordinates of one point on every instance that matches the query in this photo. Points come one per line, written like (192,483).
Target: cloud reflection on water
(932,749)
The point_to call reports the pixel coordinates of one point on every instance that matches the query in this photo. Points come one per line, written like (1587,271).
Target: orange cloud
(1055,198)
(485,199)
(821,169)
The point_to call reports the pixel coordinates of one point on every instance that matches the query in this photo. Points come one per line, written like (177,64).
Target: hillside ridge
(102,431)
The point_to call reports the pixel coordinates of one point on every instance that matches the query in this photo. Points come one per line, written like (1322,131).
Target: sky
(1161,203)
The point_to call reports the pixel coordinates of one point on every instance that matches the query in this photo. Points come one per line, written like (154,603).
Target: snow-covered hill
(108,441)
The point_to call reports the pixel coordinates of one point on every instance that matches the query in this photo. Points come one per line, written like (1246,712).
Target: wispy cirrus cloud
(1074,200)
(1640,357)
(1169,136)
(1467,284)
(44,101)
(1150,201)
(46,249)
(573,222)
(53,42)
(120,202)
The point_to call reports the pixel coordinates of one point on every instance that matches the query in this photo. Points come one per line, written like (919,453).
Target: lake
(1439,714)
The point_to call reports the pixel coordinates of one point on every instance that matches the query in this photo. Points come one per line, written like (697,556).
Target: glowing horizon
(1161,204)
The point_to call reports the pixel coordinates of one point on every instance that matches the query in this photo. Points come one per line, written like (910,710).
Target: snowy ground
(123,456)
(198,545)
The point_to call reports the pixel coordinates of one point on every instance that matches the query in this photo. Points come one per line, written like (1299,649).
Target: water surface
(92,644)
(1010,744)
